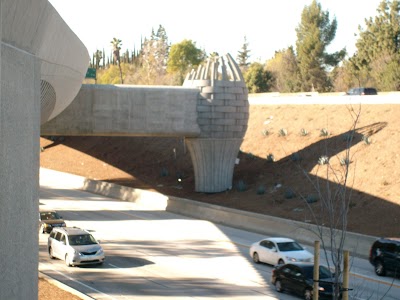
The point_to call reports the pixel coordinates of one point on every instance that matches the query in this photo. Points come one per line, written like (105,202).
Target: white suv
(74,245)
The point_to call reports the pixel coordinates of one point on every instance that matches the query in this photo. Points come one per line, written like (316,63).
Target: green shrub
(261,190)
(323,160)
(304,132)
(241,186)
(324,132)
(251,155)
(344,161)
(270,158)
(265,132)
(311,198)
(295,157)
(164,172)
(289,193)
(366,139)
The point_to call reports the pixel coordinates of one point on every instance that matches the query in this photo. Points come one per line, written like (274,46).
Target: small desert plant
(295,157)
(251,155)
(347,137)
(324,132)
(304,132)
(311,198)
(164,172)
(261,190)
(270,158)
(241,186)
(323,160)
(344,161)
(289,193)
(265,132)
(283,132)
(366,139)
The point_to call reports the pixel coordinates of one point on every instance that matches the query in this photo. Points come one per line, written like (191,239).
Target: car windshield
(82,239)
(324,272)
(289,246)
(49,215)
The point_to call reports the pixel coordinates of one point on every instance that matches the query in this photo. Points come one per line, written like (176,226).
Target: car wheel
(67,261)
(308,295)
(281,262)
(278,286)
(51,253)
(380,268)
(256,258)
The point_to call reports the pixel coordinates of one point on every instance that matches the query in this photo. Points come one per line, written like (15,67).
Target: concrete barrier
(357,244)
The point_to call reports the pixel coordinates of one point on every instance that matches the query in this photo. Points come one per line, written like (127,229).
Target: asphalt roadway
(155,254)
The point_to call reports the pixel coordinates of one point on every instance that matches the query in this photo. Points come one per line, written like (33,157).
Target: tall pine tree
(314,34)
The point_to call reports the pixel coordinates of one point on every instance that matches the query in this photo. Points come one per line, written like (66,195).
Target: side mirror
(273,249)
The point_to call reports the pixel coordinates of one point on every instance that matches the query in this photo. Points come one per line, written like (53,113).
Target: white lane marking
(78,282)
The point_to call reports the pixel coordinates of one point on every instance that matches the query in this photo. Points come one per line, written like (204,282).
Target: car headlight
(100,252)
(292,259)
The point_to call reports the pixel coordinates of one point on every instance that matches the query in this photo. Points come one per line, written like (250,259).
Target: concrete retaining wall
(357,244)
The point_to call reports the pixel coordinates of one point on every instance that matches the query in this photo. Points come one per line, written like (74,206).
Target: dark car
(48,220)
(362,91)
(297,278)
(384,255)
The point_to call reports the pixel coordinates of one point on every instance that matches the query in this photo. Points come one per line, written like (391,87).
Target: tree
(243,56)
(378,47)
(116,44)
(330,199)
(257,79)
(183,57)
(284,69)
(98,57)
(154,54)
(314,34)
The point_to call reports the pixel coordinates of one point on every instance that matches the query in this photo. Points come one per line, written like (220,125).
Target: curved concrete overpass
(210,110)
(43,64)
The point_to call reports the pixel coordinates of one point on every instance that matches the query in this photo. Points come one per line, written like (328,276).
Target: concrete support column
(213,161)
(19,173)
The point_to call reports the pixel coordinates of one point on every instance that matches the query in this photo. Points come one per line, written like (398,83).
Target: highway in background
(158,255)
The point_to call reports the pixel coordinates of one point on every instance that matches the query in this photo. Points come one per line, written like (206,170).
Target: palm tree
(116,44)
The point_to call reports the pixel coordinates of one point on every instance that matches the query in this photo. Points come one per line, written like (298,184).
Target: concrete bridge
(43,65)
(210,110)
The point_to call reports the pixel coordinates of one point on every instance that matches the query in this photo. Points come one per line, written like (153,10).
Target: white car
(75,246)
(279,250)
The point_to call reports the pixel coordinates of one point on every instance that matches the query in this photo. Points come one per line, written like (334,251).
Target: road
(159,255)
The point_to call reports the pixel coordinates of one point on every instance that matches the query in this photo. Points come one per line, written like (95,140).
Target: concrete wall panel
(128,111)
(19,173)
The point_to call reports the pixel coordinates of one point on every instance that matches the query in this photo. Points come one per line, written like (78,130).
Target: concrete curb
(64,287)
(357,244)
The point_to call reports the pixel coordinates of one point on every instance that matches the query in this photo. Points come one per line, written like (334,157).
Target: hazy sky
(214,25)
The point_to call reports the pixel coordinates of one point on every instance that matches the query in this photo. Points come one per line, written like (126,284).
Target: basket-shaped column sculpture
(223,113)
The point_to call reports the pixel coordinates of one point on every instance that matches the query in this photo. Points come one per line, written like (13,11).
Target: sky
(213,25)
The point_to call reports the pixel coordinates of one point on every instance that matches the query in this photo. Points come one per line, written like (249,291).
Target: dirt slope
(155,163)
